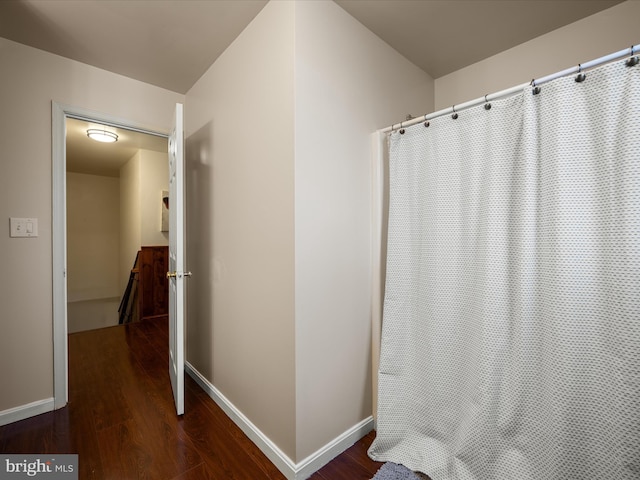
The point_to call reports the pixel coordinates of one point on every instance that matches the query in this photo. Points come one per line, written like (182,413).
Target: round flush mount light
(102,135)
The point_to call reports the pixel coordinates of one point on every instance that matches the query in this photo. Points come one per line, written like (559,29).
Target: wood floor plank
(200,472)
(225,424)
(154,412)
(75,432)
(32,434)
(353,463)
(358,453)
(219,447)
(344,468)
(124,452)
(121,420)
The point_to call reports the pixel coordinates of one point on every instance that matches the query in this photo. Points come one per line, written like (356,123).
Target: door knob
(178,275)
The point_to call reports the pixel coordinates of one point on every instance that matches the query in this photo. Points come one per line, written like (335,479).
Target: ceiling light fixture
(102,135)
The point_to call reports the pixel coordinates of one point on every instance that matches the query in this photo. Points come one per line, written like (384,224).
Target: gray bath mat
(393,471)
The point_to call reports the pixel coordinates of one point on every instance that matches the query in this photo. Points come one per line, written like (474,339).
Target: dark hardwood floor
(121,421)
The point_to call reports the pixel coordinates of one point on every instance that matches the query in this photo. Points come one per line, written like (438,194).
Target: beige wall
(142,180)
(93,226)
(30,80)
(130,224)
(348,84)
(606,32)
(278,186)
(240,224)
(154,178)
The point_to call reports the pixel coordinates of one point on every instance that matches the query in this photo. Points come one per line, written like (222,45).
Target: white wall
(597,35)
(93,226)
(349,83)
(30,80)
(240,231)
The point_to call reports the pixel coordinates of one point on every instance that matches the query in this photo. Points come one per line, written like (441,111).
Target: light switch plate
(24,227)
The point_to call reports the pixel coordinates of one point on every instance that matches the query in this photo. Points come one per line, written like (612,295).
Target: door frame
(59,114)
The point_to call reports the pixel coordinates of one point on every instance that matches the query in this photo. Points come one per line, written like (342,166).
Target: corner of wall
(290,469)
(344,74)
(240,211)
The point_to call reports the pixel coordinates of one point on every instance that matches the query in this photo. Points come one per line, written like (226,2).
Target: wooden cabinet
(153,286)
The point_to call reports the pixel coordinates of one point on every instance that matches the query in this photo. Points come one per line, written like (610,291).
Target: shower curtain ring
(536,90)
(401,129)
(633,60)
(426,122)
(581,76)
(455,115)
(487,105)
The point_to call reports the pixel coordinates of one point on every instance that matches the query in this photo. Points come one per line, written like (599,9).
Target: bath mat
(393,471)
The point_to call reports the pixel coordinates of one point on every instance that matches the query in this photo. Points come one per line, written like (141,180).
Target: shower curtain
(511,329)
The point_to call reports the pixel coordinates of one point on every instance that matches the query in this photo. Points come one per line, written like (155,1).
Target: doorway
(113,194)
(60,115)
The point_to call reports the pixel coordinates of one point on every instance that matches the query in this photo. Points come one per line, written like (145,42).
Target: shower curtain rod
(631,51)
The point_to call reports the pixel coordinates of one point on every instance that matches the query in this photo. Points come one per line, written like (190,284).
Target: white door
(176,273)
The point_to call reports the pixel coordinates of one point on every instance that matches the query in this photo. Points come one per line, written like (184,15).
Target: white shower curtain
(511,330)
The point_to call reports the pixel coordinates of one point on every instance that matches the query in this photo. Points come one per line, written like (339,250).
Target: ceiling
(168,43)
(88,156)
(442,36)
(171,43)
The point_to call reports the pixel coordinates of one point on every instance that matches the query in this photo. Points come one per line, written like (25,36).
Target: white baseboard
(331,450)
(32,409)
(291,470)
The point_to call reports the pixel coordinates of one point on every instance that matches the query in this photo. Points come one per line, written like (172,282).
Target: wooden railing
(147,292)
(128,310)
